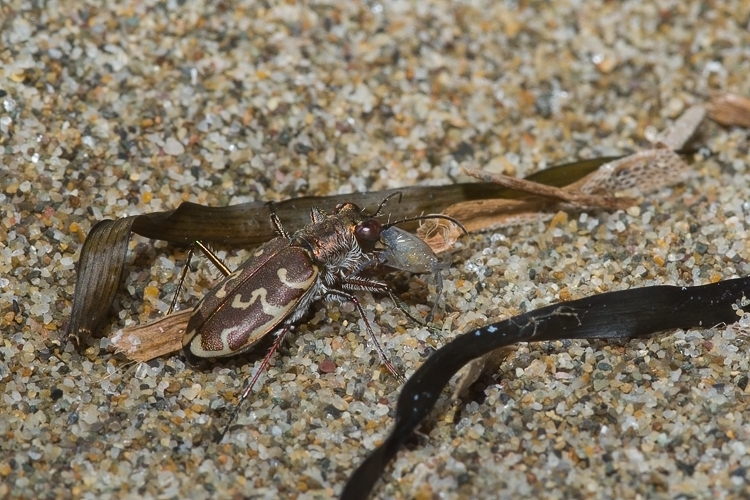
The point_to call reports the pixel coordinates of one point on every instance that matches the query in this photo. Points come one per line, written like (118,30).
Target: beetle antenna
(385,200)
(249,386)
(425,217)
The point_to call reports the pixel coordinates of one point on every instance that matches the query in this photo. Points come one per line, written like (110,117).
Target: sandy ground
(111,110)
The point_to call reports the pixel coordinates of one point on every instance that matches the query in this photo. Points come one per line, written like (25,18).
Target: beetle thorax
(332,243)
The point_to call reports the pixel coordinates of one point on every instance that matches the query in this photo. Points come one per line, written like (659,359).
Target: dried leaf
(637,174)
(729,110)
(571,196)
(485,365)
(676,136)
(151,340)
(99,269)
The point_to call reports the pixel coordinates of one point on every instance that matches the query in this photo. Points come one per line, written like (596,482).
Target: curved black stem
(616,315)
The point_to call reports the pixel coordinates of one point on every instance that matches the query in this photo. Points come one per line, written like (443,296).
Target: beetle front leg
(366,264)
(354,282)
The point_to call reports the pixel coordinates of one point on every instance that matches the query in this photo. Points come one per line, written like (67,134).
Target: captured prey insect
(398,249)
(276,286)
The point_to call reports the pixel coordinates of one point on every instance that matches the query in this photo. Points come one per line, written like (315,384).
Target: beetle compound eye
(368,230)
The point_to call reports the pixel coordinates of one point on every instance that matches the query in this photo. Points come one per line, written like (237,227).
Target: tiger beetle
(276,286)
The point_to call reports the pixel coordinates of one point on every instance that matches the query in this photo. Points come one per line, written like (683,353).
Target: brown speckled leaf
(730,109)
(638,174)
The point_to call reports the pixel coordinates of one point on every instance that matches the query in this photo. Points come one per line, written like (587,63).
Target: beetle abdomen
(252,301)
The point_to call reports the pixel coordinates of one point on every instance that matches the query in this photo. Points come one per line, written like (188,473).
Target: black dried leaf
(624,314)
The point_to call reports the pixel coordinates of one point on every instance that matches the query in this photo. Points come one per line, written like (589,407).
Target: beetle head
(366,228)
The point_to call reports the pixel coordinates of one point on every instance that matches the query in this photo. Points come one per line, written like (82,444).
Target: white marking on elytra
(491,329)
(229,284)
(282,274)
(478,333)
(268,309)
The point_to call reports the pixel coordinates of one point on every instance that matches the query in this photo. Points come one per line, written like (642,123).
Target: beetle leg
(366,264)
(379,259)
(215,260)
(435,269)
(350,282)
(317,215)
(381,352)
(405,309)
(277,225)
(249,387)
(354,282)
(183,274)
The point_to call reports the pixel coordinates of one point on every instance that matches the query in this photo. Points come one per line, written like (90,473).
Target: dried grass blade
(99,270)
(151,340)
(103,254)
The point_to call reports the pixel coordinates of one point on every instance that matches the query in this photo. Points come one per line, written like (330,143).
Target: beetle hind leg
(210,255)
(249,387)
(183,275)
